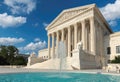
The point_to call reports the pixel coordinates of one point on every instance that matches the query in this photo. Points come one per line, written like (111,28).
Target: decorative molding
(68,14)
(84,14)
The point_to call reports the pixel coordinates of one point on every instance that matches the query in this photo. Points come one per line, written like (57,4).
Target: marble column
(101,40)
(103,58)
(53,46)
(49,46)
(83,33)
(93,35)
(57,41)
(75,36)
(63,35)
(69,41)
(66,42)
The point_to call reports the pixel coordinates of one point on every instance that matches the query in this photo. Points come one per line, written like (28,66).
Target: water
(62,55)
(55,77)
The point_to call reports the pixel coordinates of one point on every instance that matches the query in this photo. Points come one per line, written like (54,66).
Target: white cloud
(33,46)
(113,23)
(10,41)
(37,39)
(111,12)
(11,21)
(45,24)
(21,6)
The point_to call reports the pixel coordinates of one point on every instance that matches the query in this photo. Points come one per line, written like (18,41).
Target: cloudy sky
(23,22)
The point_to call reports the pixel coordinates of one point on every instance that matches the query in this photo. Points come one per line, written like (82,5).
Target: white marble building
(83,24)
(112,45)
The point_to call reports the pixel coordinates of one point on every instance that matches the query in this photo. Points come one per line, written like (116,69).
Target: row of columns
(92,38)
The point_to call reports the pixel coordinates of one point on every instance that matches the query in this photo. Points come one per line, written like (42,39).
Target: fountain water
(62,55)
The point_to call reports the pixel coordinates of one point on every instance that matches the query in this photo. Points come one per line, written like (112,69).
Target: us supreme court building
(84,25)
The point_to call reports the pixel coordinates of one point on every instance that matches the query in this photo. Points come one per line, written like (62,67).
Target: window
(108,50)
(117,49)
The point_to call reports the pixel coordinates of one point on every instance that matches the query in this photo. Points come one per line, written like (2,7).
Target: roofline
(115,34)
(81,7)
(70,9)
(100,14)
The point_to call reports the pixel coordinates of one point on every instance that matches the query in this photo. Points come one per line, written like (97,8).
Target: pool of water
(58,77)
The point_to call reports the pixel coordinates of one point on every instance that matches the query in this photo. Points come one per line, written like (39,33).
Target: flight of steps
(51,64)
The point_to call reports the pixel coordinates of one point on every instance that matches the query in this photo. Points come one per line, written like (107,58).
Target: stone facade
(83,24)
(33,59)
(112,45)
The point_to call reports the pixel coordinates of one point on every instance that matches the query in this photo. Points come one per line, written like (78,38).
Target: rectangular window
(108,50)
(117,49)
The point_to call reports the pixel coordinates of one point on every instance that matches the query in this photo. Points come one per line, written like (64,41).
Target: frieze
(66,16)
(82,15)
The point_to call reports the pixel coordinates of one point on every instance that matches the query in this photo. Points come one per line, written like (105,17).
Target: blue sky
(23,22)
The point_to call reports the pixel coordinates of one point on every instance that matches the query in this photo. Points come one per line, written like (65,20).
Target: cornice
(103,19)
(70,13)
(115,34)
(63,21)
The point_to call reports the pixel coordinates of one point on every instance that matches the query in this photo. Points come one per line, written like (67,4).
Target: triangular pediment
(68,14)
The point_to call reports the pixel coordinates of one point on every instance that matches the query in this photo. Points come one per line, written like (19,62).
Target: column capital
(75,24)
(53,34)
(62,34)
(62,29)
(57,31)
(91,18)
(68,27)
(48,34)
(82,21)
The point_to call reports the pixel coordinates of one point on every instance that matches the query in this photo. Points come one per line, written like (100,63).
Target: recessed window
(117,49)
(108,50)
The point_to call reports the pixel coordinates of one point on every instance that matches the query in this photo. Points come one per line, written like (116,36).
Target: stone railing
(33,60)
(89,52)
(87,60)
(113,68)
(12,66)
(83,60)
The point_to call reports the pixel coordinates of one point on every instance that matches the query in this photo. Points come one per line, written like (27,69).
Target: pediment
(68,14)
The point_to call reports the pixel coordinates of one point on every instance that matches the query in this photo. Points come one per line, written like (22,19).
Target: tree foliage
(116,60)
(9,55)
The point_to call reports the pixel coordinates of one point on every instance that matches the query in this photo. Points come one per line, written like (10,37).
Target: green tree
(9,55)
(3,51)
(116,60)
(19,60)
(3,61)
(12,53)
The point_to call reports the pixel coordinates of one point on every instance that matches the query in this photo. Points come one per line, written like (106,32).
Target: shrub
(116,60)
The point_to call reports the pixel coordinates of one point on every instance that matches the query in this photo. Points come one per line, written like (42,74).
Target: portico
(83,30)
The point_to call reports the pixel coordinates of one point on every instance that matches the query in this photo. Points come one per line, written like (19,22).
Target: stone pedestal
(76,60)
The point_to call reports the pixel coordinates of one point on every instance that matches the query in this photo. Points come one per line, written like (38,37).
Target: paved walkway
(22,70)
